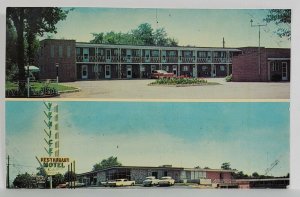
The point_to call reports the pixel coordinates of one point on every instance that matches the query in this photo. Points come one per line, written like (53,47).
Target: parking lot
(139,89)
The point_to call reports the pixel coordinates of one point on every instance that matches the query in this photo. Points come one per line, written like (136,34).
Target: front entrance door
(107,72)
(195,71)
(84,72)
(213,70)
(175,70)
(129,71)
(284,71)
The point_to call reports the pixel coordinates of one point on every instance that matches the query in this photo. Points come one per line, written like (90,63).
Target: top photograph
(147,53)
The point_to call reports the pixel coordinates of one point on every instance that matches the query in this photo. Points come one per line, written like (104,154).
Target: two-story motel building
(81,61)
(86,61)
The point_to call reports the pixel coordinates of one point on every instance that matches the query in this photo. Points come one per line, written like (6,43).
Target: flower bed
(182,82)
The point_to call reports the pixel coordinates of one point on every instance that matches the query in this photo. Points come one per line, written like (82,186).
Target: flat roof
(86,44)
(159,168)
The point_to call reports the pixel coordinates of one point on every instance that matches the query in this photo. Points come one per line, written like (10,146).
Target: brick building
(139,173)
(86,61)
(274,64)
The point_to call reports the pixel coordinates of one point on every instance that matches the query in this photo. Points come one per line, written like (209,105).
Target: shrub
(228,78)
(179,81)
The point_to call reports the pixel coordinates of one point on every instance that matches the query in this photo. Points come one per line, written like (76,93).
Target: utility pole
(223,43)
(7,174)
(259,61)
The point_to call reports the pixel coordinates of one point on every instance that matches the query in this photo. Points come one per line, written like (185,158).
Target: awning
(279,58)
(32,68)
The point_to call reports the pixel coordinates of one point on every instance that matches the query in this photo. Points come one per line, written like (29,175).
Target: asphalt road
(139,89)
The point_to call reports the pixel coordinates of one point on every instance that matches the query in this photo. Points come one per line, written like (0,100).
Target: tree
(225,166)
(255,175)
(282,18)
(23,181)
(30,22)
(106,163)
(98,38)
(240,175)
(69,176)
(57,179)
(144,32)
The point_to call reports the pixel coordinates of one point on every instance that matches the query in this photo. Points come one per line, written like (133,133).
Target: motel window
(60,51)
(136,53)
(52,50)
(77,51)
(275,66)
(204,68)
(155,53)
(187,54)
(115,52)
(185,68)
(222,68)
(167,68)
(202,54)
(100,52)
(172,54)
(68,51)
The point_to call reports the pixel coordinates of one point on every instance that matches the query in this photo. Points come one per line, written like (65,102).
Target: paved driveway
(139,89)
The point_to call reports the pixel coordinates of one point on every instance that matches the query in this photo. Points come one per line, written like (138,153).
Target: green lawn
(38,85)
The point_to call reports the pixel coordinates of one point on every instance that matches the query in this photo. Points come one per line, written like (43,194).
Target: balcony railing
(115,59)
(220,60)
(203,60)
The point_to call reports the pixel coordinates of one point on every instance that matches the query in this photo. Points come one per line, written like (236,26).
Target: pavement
(139,89)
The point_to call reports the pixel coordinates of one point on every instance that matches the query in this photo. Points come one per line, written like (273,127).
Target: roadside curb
(69,91)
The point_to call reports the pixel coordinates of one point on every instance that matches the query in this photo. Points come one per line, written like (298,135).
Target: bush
(179,81)
(228,78)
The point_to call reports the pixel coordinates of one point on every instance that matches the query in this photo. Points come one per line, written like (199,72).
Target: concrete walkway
(139,89)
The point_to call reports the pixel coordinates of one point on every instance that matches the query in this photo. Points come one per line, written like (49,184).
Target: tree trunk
(19,24)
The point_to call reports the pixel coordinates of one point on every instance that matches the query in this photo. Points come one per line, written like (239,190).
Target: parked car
(166,181)
(121,182)
(156,74)
(150,181)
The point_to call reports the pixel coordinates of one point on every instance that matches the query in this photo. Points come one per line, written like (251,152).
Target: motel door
(107,72)
(213,70)
(195,71)
(284,71)
(84,72)
(129,71)
(175,70)
(108,55)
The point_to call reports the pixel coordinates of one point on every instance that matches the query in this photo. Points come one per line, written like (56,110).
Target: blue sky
(248,135)
(199,27)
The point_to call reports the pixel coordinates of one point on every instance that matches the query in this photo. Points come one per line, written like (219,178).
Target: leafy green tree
(30,22)
(23,181)
(255,175)
(144,32)
(225,166)
(240,175)
(57,179)
(282,18)
(106,163)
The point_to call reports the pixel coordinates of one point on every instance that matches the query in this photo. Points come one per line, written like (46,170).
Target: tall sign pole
(51,131)
(259,61)
(7,175)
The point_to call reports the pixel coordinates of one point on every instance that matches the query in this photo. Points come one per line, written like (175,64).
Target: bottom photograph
(142,145)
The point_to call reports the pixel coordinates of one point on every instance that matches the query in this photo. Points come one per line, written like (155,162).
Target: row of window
(60,49)
(153,53)
(98,68)
(276,65)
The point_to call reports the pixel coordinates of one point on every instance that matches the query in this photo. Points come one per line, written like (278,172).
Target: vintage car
(166,181)
(157,74)
(150,180)
(121,182)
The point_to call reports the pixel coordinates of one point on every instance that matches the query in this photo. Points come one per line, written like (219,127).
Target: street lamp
(57,65)
(258,25)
